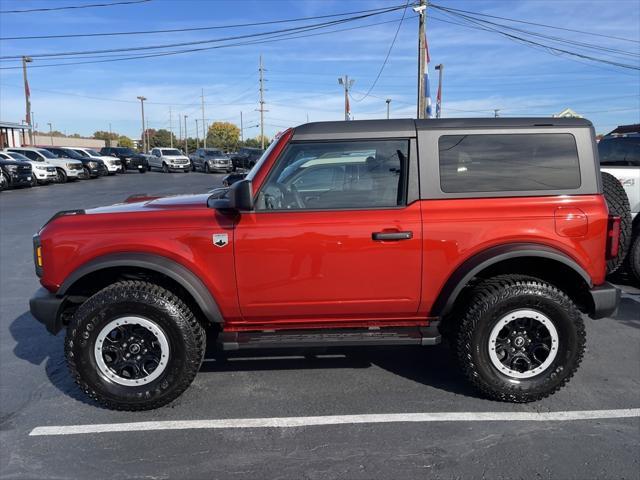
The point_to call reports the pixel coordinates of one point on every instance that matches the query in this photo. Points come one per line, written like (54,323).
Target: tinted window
(18,156)
(623,151)
(516,162)
(340,175)
(171,152)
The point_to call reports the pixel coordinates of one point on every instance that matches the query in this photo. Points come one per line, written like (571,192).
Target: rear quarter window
(508,162)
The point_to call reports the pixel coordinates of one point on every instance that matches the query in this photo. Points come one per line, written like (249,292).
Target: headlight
(92,164)
(12,168)
(40,167)
(71,165)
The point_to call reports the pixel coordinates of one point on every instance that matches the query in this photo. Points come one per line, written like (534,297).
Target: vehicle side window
(623,152)
(508,162)
(31,155)
(337,175)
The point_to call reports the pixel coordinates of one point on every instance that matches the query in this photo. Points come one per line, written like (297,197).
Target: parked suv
(113,165)
(210,160)
(129,158)
(67,169)
(169,160)
(620,156)
(492,233)
(14,173)
(42,172)
(246,158)
(92,167)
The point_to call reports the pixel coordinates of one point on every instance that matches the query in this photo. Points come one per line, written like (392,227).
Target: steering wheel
(296,196)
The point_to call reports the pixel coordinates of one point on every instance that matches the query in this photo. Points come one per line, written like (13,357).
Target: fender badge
(220,239)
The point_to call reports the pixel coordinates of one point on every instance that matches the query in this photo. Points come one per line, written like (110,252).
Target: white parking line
(292,422)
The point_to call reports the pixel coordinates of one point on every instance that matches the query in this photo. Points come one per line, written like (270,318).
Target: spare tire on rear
(618,204)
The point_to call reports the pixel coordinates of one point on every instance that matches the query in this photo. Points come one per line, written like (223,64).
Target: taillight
(613,236)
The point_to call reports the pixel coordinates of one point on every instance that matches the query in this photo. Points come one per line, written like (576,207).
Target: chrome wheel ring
(131,351)
(523,344)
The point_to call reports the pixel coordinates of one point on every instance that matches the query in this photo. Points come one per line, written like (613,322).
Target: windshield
(46,154)
(214,153)
(91,153)
(260,161)
(171,152)
(123,151)
(81,153)
(620,151)
(18,156)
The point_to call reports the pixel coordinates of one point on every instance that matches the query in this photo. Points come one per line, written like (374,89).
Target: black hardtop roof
(408,127)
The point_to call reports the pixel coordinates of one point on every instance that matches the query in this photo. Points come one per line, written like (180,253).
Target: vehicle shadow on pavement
(431,366)
(629,312)
(37,346)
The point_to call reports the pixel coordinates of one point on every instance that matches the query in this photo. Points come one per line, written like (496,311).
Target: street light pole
(144,142)
(388,103)
(186,146)
(440,68)
(197,135)
(27,97)
(50,133)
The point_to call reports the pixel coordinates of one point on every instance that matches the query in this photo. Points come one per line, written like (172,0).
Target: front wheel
(4,183)
(165,167)
(61,176)
(134,346)
(34,181)
(520,340)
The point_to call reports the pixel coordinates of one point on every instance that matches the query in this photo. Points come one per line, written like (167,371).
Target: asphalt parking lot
(442,435)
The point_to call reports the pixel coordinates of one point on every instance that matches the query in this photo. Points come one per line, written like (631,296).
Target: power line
(278,38)
(304,28)
(482,25)
(75,7)
(384,63)
(196,29)
(536,24)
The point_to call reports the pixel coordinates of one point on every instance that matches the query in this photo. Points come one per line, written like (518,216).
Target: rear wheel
(61,176)
(618,204)
(134,346)
(633,259)
(520,340)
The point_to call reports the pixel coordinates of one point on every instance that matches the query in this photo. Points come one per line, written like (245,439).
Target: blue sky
(483,71)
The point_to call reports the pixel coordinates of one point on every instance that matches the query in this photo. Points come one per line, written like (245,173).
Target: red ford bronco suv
(492,233)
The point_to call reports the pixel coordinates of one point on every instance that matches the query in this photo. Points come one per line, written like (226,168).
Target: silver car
(210,160)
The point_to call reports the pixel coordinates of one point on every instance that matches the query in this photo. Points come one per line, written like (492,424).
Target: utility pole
(241,129)
(186,147)
(170,128)
(27,97)
(388,103)
(50,133)
(204,132)
(33,120)
(344,81)
(421,10)
(179,128)
(146,134)
(144,146)
(495,112)
(440,68)
(261,109)
(197,135)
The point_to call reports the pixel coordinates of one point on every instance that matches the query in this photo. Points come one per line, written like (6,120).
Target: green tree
(223,135)
(251,143)
(161,138)
(108,137)
(125,141)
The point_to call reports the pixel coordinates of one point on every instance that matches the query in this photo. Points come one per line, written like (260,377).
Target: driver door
(332,238)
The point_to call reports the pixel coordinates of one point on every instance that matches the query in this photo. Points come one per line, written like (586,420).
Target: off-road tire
(493,299)
(633,258)
(618,204)
(186,338)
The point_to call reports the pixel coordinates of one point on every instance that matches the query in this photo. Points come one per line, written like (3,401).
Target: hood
(176,157)
(146,203)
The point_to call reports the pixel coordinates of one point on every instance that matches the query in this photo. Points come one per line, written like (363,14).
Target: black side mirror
(239,198)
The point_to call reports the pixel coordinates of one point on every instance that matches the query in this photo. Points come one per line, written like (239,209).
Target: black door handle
(387,236)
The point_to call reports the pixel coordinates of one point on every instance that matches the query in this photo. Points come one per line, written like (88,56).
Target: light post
(388,103)
(186,146)
(27,97)
(50,133)
(144,141)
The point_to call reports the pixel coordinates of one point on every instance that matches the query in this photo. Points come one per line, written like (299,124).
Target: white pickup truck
(620,156)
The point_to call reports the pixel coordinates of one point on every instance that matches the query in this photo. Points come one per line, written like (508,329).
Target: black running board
(329,338)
